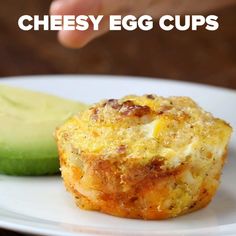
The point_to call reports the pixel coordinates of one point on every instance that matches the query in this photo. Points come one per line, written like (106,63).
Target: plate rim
(35,228)
(102,76)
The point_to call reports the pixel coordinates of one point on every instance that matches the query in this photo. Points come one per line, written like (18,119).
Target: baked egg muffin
(146,157)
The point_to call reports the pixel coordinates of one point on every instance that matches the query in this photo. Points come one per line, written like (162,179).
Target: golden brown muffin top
(143,128)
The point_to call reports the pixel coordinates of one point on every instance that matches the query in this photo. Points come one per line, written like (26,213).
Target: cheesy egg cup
(144,157)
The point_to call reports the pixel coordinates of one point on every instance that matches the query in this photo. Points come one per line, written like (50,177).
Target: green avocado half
(27,123)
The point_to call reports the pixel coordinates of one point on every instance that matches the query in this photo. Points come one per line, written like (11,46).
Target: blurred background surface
(202,56)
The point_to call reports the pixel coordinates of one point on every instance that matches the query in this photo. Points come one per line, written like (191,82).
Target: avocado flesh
(27,123)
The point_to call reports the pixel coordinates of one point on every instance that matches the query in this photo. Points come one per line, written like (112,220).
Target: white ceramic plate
(42,206)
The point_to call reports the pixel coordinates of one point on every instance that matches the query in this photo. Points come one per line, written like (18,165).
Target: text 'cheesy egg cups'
(143,156)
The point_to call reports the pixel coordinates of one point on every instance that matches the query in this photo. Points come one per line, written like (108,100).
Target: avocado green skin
(29,166)
(27,124)
(27,150)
